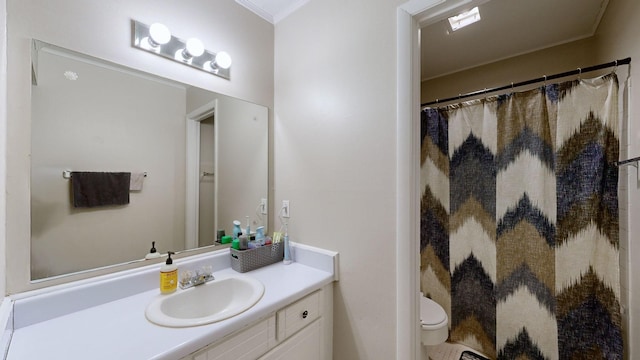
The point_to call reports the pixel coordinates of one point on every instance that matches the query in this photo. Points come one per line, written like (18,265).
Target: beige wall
(75,126)
(335,158)
(617,38)
(103,30)
(241,163)
(3,143)
(550,61)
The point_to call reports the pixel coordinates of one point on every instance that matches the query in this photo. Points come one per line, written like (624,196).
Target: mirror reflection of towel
(92,189)
(137,179)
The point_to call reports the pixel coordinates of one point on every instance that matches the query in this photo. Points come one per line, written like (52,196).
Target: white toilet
(434,321)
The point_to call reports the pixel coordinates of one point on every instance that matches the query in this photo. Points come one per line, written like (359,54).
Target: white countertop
(118,329)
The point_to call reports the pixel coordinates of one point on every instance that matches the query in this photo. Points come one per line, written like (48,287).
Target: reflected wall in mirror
(91,115)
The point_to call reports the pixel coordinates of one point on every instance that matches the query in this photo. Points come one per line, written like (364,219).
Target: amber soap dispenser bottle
(168,276)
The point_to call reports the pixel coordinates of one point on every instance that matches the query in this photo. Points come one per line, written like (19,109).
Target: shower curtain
(519,221)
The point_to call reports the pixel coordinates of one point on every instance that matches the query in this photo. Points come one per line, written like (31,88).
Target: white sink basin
(219,299)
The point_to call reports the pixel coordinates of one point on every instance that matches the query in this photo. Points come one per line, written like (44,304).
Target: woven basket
(247,260)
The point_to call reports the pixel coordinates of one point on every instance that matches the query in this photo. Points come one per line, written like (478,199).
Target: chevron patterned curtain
(519,221)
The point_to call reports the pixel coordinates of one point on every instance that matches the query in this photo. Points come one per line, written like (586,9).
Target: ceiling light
(466,18)
(71,75)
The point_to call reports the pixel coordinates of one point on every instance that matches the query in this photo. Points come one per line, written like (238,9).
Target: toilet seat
(434,321)
(432,315)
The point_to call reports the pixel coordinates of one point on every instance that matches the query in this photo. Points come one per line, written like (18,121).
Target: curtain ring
(615,67)
(579,73)
(545,80)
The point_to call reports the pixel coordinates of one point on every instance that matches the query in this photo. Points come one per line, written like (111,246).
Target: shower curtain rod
(577,71)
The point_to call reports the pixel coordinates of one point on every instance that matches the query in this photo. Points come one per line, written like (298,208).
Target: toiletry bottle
(260,236)
(243,242)
(236,229)
(252,242)
(219,235)
(168,276)
(226,239)
(248,228)
(153,253)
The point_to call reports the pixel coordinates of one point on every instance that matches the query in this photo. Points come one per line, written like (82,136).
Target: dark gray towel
(92,189)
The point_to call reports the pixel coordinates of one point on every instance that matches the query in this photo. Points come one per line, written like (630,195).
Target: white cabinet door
(306,344)
(248,344)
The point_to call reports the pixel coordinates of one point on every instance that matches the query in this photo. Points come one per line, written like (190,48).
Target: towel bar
(629,162)
(67,174)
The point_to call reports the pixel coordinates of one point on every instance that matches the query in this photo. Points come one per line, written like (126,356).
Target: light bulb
(194,48)
(210,66)
(223,60)
(158,34)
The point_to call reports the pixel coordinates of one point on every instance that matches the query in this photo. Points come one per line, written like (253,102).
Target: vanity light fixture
(157,39)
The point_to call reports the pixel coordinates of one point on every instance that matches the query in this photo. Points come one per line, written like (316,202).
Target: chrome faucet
(201,276)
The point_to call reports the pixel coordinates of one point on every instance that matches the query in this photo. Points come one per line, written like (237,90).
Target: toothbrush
(287,254)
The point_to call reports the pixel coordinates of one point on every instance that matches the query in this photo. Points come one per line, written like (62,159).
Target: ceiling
(272,10)
(508,28)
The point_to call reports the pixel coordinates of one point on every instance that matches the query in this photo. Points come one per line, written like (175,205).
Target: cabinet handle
(305,314)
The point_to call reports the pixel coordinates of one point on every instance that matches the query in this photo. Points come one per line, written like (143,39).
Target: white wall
(103,30)
(335,158)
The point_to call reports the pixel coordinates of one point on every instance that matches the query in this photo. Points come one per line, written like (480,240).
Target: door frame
(411,16)
(192,205)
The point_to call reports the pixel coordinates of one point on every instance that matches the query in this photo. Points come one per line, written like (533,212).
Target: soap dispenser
(168,276)
(153,253)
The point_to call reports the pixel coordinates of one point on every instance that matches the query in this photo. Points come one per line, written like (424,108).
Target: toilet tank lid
(430,312)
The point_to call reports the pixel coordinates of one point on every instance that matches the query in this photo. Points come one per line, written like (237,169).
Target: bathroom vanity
(104,318)
(298,331)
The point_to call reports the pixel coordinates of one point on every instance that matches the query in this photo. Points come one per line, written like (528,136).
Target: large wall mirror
(205,156)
